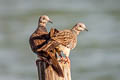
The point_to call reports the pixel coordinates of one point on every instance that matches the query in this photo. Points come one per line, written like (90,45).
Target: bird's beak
(50,21)
(86,29)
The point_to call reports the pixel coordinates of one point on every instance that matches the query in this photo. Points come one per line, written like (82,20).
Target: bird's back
(66,38)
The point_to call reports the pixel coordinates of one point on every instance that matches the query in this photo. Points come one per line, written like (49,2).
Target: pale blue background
(97,55)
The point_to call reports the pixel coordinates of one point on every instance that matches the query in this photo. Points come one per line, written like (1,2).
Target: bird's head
(79,27)
(43,20)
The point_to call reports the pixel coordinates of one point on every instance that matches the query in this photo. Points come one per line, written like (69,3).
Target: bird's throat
(40,28)
(42,24)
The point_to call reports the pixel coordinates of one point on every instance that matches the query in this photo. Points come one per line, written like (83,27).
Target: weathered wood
(46,72)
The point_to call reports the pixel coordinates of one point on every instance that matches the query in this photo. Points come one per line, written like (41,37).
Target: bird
(67,39)
(39,38)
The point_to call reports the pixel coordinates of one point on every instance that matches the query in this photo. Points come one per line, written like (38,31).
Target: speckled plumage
(67,39)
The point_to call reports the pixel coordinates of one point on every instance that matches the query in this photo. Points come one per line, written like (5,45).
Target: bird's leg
(67,59)
(59,53)
(66,52)
(61,57)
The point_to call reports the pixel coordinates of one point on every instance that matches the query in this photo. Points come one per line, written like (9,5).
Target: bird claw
(67,60)
(62,59)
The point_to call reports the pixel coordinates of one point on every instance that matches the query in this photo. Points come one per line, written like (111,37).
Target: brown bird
(67,40)
(40,38)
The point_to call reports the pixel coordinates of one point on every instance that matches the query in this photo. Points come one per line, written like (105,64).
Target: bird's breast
(64,49)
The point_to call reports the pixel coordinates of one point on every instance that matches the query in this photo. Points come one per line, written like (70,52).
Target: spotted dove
(40,38)
(67,39)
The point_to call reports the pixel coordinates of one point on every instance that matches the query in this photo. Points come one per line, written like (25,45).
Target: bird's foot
(62,59)
(67,60)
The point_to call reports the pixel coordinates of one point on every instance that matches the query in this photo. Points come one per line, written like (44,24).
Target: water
(97,54)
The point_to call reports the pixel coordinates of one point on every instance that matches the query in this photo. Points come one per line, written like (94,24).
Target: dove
(66,40)
(39,38)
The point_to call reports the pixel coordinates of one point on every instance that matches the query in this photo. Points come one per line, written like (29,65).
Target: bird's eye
(80,26)
(43,18)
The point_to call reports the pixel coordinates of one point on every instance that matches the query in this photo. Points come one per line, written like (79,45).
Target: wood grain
(46,72)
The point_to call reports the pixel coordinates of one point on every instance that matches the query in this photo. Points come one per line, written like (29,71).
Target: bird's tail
(55,65)
(49,48)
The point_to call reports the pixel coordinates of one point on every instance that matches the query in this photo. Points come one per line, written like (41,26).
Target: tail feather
(55,64)
(46,49)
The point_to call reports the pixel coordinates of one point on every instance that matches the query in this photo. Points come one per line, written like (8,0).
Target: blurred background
(97,55)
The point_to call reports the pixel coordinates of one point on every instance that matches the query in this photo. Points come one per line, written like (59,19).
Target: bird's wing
(64,37)
(37,40)
(53,31)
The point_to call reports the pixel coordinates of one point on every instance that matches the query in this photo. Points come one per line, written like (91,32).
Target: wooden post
(46,72)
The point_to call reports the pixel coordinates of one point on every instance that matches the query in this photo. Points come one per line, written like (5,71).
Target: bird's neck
(41,28)
(42,24)
(74,32)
